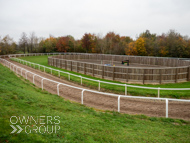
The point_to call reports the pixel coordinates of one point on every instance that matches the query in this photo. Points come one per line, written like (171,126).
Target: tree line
(170,44)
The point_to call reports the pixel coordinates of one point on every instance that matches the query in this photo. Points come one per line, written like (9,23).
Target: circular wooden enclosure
(141,69)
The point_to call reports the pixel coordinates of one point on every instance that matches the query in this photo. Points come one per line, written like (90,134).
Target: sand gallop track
(154,108)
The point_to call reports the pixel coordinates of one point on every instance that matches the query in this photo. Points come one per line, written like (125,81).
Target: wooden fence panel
(174,73)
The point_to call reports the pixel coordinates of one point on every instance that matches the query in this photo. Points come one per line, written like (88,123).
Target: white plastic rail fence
(98,81)
(15,68)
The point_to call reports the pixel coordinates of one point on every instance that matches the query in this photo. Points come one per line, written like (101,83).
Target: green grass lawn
(19,97)
(43,60)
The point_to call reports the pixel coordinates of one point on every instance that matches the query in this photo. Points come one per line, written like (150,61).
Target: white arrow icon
(15,129)
(19,128)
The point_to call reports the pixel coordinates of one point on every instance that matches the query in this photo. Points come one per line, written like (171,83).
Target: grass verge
(18,97)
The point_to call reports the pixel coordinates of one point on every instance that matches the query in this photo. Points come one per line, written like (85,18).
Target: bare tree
(36,44)
(100,44)
(23,42)
(31,41)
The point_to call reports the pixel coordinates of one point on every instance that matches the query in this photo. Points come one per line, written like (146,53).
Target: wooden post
(102,72)
(127,75)
(84,68)
(93,70)
(176,75)
(77,67)
(71,66)
(65,64)
(188,73)
(113,74)
(62,64)
(55,62)
(160,76)
(143,76)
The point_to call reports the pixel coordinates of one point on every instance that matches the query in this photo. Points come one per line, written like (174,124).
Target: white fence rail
(98,81)
(15,68)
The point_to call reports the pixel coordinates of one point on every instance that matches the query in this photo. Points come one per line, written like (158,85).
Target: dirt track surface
(156,108)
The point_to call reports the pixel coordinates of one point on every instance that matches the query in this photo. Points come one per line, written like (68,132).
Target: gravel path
(154,108)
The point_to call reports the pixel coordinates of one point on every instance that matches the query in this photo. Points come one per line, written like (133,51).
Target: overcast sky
(76,17)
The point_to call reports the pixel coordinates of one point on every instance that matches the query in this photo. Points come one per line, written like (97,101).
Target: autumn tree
(130,49)
(121,45)
(7,45)
(100,44)
(49,44)
(41,47)
(128,39)
(140,47)
(71,43)
(62,44)
(79,47)
(112,42)
(150,43)
(171,44)
(88,42)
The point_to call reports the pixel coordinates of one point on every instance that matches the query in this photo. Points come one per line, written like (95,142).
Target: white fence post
(166,108)
(51,70)
(42,82)
(82,94)
(26,73)
(158,92)
(99,86)
(44,69)
(69,76)
(81,80)
(125,89)
(59,73)
(118,103)
(33,79)
(58,88)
